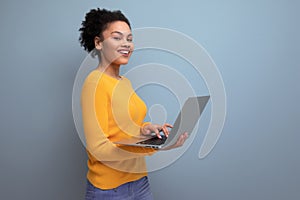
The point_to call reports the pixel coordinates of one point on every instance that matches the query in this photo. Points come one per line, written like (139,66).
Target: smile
(124,52)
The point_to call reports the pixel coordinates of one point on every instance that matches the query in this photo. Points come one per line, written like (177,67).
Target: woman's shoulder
(93,76)
(125,79)
(98,77)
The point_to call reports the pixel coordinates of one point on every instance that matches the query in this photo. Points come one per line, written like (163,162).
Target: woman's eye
(116,38)
(129,39)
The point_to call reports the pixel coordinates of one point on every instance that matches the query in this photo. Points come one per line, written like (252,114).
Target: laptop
(185,122)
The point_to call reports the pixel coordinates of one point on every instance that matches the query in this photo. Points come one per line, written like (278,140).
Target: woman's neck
(111,70)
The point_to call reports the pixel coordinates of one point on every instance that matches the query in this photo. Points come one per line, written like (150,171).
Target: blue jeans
(136,190)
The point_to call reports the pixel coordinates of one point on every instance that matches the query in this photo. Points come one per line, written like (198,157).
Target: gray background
(255,45)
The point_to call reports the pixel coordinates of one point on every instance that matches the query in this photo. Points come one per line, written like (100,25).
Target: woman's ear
(98,43)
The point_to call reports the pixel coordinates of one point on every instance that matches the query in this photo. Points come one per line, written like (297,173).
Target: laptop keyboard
(154,141)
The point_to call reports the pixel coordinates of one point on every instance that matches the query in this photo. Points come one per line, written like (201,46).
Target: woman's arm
(97,142)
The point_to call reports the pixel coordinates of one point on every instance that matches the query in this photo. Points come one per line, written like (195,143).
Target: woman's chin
(121,61)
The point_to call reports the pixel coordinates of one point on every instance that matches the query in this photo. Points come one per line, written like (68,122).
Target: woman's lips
(124,52)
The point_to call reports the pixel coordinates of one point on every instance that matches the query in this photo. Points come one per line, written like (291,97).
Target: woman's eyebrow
(120,33)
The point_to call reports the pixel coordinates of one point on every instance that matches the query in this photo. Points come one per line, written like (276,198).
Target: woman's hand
(180,141)
(156,128)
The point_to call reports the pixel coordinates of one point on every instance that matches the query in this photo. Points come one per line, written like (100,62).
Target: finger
(168,125)
(165,126)
(178,142)
(182,139)
(186,135)
(166,131)
(156,131)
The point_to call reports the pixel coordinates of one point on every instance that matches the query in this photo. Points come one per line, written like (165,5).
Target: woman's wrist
(142,129)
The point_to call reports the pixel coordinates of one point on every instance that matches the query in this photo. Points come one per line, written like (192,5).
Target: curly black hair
(96,21)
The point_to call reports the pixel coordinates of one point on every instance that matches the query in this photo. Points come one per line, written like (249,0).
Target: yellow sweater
(111,110)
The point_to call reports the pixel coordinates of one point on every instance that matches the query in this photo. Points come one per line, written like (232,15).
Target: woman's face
(117,46)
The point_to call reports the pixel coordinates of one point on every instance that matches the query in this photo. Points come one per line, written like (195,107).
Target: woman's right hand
(156,128)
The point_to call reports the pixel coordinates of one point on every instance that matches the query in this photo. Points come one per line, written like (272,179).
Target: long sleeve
(109,114)
(96,126)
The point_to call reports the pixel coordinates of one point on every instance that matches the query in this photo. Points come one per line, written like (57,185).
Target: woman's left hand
(180,141)
(156,128)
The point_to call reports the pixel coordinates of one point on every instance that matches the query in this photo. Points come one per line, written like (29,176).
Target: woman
(111,110)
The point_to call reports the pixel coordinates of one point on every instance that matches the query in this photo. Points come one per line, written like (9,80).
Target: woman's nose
(126,45)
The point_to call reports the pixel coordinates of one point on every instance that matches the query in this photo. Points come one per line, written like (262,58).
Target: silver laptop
(185,122)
